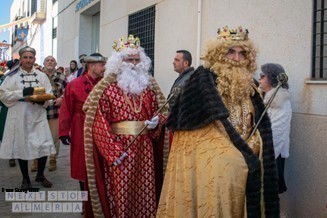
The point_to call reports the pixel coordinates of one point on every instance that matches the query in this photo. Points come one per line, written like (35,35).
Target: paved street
(11,178)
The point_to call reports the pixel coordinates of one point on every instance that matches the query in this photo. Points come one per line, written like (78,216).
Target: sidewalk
(11,178)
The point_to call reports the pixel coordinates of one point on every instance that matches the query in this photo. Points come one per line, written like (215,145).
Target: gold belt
(128,127)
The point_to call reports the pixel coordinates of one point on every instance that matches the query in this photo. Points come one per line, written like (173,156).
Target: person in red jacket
(71,115)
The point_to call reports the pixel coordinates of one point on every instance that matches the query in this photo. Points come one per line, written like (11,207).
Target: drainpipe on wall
(198,43)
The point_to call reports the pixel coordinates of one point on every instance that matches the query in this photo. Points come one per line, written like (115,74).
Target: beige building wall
(282,32)
(68,33)
(305,169)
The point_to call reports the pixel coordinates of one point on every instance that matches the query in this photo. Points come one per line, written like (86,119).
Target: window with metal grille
(33,6)
(319,47)
(54,33)
(142,24)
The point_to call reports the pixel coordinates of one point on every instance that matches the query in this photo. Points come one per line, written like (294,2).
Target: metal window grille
(33,6)
(42,6)
(54,33)
(142,24)
(38,6)
(319,47)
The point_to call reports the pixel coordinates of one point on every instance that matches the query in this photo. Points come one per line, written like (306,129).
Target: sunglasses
(262,75)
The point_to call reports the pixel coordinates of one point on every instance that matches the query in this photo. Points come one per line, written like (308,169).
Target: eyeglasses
(262,75)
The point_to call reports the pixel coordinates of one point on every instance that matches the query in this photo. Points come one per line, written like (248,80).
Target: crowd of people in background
(73,71)
(220,162)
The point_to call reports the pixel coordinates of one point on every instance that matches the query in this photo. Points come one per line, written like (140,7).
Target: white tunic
(280,113)
(27,134)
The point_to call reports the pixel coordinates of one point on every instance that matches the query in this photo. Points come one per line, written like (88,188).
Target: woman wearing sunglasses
(280,113)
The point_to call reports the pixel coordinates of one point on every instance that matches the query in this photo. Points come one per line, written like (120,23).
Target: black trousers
(23,164)
(280,164)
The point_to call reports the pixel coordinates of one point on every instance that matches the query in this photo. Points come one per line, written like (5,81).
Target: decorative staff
(282,79)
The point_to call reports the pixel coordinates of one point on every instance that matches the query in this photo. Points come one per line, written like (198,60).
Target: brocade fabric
(204,158)
(130,188)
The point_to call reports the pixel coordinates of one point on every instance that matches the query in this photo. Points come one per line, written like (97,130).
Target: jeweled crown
(239,34)
(131,42)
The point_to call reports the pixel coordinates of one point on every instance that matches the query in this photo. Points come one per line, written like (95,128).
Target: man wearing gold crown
(122,179)
(27,134)
(216,166)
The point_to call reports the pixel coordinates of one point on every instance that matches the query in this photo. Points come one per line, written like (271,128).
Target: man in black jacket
(182,65)
(82,69)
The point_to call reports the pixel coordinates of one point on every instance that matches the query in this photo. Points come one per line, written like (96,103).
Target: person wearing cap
(81,70)
(219,165)
(71,115)
(27,135)
(122,108)
(280,113)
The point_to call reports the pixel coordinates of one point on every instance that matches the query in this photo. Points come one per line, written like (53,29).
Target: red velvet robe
(71,122)
(126,190)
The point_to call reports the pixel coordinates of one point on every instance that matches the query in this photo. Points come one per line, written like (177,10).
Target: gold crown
(131,42)
(238,34)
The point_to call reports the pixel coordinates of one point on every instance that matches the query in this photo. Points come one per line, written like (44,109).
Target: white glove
(153,123)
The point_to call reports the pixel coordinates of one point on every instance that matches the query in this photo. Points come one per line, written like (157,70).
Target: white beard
(133,79)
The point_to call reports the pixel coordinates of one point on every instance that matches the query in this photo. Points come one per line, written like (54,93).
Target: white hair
(116,59)
(131,79)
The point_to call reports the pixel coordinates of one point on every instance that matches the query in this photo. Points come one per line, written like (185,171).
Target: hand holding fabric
(153,123)
(65,140)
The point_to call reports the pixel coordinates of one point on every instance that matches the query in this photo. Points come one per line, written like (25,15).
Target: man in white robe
(27,134)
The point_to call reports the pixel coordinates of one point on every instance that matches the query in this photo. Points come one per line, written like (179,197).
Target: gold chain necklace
(235,116)
(89,80)
(133,104)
